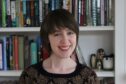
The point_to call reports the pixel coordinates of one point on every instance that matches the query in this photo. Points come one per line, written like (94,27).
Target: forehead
(62,29)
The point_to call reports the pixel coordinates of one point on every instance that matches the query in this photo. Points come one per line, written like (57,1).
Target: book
(32,12)
(13,12)
(15,52)
(26,52)
(94,12)
(21,18)
(11,63)
(28,13)
(4,52)
(39,46)
(8,13)
(36,4)
(33,52)
(21,52)
(1,55)
(3,13)
(0,13)
(41,9)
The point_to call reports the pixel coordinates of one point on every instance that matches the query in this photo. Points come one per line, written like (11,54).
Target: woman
(59,32)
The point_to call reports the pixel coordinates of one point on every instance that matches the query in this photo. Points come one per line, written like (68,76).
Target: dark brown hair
(57,19)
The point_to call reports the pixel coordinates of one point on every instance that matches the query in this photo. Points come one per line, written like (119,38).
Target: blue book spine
(4,53)
(33,51)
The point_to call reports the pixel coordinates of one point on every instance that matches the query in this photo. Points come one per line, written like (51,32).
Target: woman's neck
(58,65)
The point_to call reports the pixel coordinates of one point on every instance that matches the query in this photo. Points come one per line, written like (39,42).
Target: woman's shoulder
(32,69)
(86,71)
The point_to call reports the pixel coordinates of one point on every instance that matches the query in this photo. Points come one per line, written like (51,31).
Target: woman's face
(62,42)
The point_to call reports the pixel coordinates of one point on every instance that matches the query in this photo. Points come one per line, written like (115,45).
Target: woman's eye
(70,33)
(56,34)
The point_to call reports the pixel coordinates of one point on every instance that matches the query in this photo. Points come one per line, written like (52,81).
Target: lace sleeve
(25,78)
(93,79)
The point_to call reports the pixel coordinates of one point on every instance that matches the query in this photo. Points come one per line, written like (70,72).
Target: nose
(64,39)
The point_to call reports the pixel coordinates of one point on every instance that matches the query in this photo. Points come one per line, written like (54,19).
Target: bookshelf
(109,37)
(36,29)
(83,29)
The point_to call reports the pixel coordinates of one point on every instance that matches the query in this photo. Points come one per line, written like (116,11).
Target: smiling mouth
(64,48)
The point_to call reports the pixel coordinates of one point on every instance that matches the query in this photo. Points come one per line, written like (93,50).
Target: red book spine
(16,52)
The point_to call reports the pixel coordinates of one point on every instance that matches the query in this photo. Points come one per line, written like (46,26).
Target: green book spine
(21,52)
(3,13)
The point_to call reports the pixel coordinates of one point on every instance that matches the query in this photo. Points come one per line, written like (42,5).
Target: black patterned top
(35,74)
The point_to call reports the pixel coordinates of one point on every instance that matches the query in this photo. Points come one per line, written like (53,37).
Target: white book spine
(13,11)
(8,7)
(40,10)
(102,13)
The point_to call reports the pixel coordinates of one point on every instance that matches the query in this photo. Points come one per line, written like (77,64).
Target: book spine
(98,12)
(13,13)
(8,13)
(110,12)
(16,51)
(0,13)
(11,52)
(7,53)
(36,4)
(4,53)
(28,12)
(26,52)
(89,12)
(3,13)
(32,11)
(17,9)
(46,7)
(33,52)
(83,17)
(24,12)
(39,46)
(79,12)
(1,55)
(94,12)
(102,13)
(76,7)
(41,11)
(21,18)
(21,52)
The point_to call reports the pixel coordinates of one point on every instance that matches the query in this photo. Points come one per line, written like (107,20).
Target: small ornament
(93,61)
(100,54)
(99,64)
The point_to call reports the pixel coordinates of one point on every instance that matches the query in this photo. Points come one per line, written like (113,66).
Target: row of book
(18,52)
(30,13)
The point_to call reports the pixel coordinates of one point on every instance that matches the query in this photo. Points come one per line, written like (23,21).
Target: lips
(64,48)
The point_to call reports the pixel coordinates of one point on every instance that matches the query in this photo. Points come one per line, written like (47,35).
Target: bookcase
(111,38)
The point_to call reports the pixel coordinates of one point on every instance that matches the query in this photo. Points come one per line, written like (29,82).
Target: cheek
(53,41)
(73,39)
